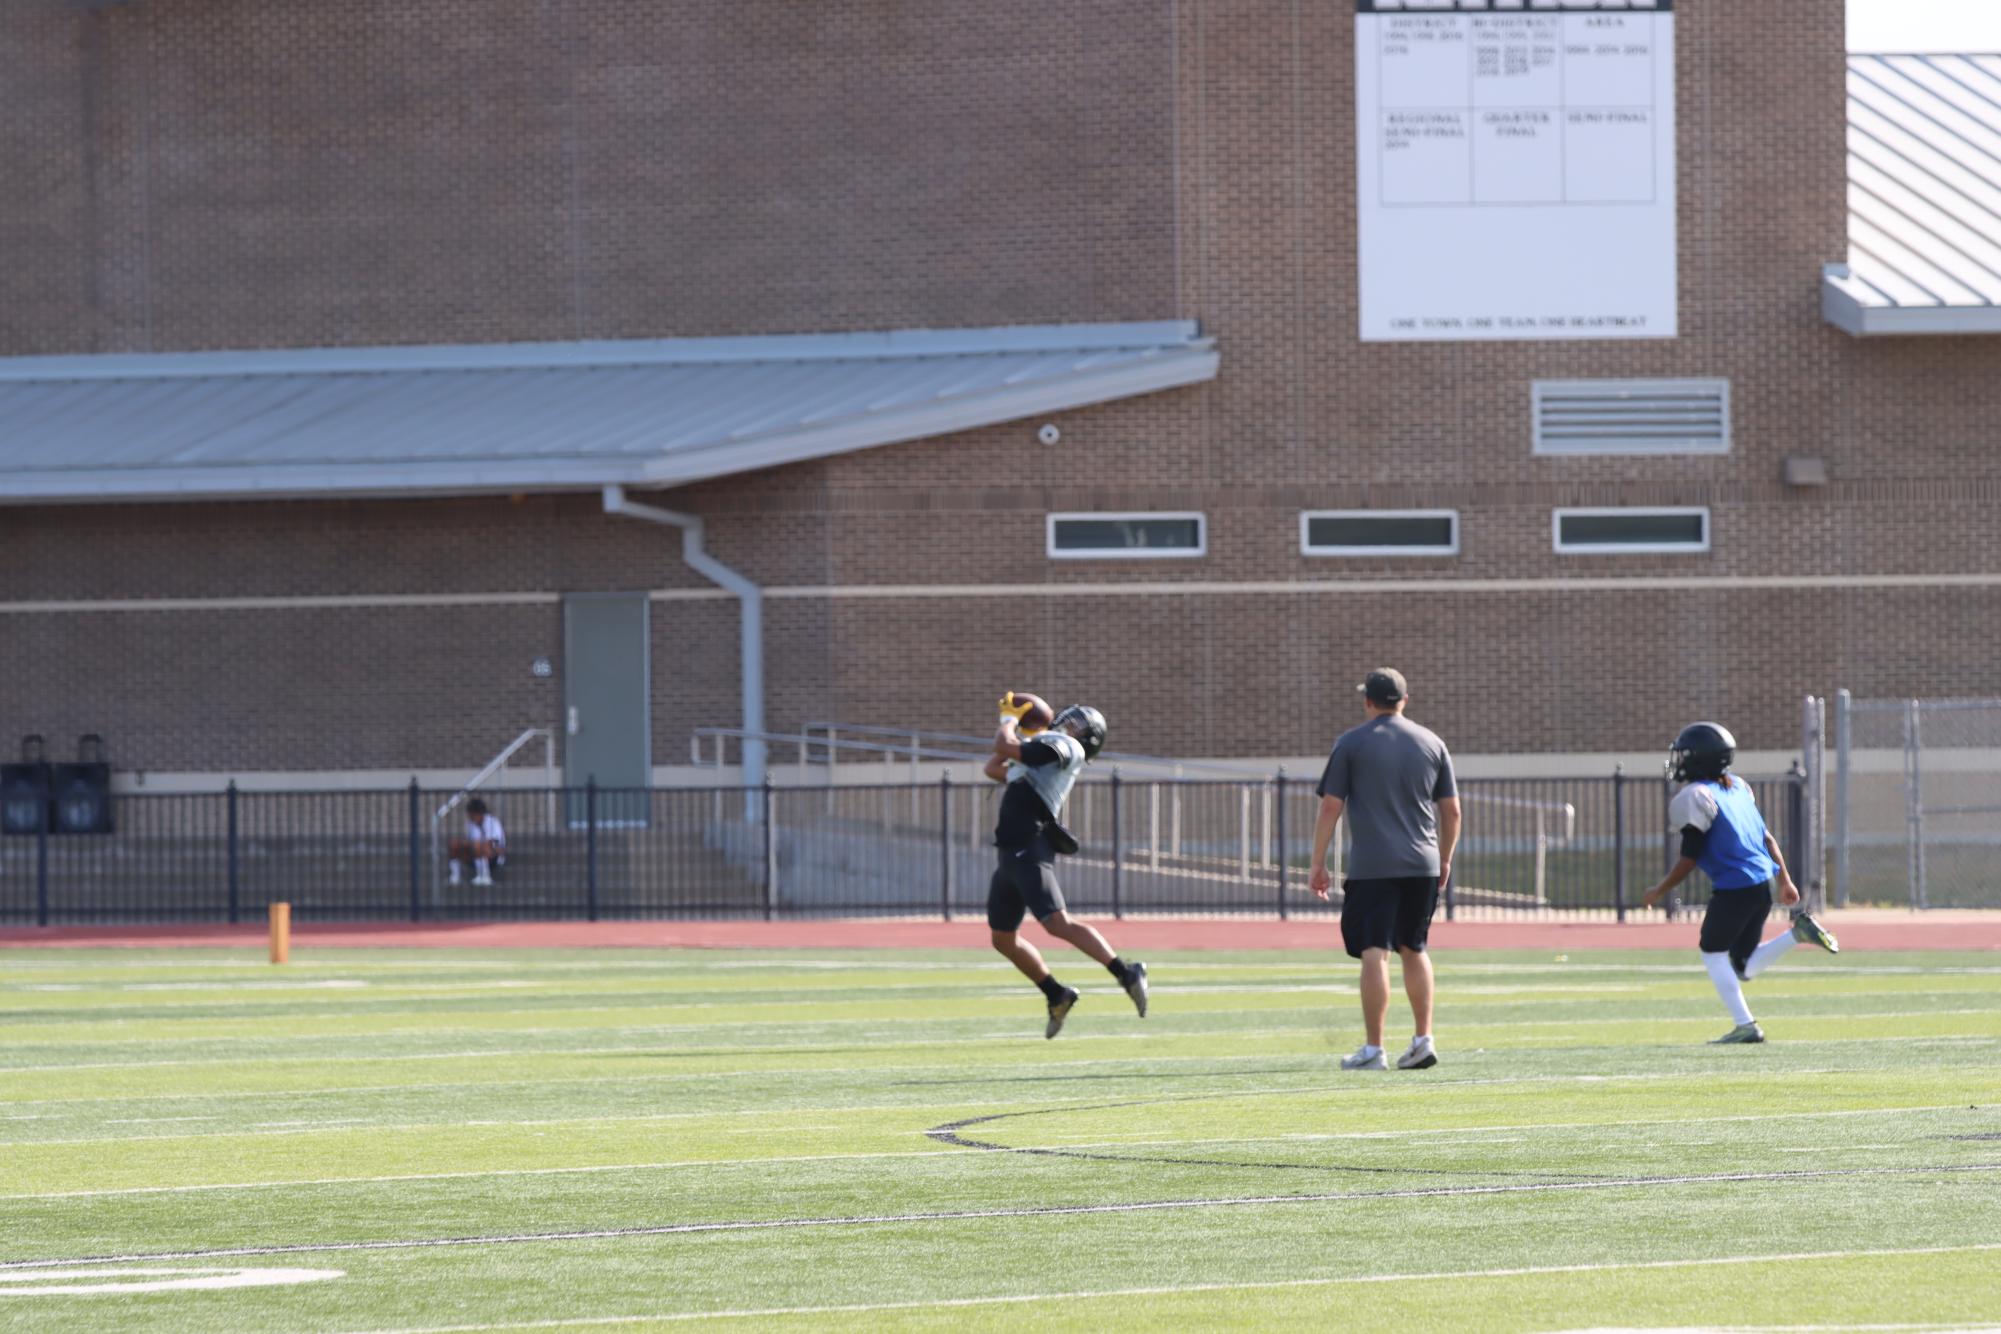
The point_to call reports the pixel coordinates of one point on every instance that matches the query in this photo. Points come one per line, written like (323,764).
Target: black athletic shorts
(1387,914)
(1024,882)
(1736,921)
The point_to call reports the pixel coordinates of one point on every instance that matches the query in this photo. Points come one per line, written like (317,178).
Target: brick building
(362,198)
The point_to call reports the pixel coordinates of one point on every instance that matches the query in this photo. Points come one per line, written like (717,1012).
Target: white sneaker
(482,880)
(1418,1056)
(1366,1058)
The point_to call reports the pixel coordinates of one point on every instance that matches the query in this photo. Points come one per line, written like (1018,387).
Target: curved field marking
(1027,1211)
(1022,1299)
(947,1153)
(949,1133)
(80,1282)
(1012,1036)
(315,1127)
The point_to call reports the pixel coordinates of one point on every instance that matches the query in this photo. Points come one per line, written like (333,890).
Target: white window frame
(1306,547)
(1196,552)
(1638,388)
(1557,516)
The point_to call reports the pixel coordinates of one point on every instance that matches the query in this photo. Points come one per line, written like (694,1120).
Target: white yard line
(1429,1133)
(1013,1034)
(383,997)
(979,1215)
(481,1175)
(680,962)
(1435,1276)
(311,1127)
(669,960)
(383,994)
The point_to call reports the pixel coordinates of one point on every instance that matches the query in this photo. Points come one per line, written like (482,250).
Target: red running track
(1859,930)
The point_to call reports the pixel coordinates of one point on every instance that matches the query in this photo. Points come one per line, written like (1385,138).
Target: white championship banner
(1515,169)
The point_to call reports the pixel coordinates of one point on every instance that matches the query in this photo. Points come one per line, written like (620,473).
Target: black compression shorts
(1735,922)
(1024,882)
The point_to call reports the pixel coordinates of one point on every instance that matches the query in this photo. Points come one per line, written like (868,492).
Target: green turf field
(406,1140)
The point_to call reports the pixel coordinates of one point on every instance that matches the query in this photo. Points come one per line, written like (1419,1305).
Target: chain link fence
(1916,805)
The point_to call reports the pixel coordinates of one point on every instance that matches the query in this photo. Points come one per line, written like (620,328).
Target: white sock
(1768,953)
(1421,1040)
(479,868)
(1370,1049)
(1724,977)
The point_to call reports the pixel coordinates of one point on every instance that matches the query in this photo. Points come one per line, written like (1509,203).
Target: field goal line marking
(975,1215)
(1271,1284)
(592,1168)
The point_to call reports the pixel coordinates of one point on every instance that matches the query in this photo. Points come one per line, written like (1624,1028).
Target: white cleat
(1135,986)
(1366,1059)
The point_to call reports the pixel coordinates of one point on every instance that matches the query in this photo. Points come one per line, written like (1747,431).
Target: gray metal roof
(542,416)
(1924,197)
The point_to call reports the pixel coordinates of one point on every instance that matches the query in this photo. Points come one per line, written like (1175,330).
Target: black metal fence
(1531,847)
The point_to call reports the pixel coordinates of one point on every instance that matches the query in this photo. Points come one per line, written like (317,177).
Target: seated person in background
(485,844)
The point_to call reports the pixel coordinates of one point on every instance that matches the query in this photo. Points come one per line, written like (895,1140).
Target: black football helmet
(1086,724)
(1702,750)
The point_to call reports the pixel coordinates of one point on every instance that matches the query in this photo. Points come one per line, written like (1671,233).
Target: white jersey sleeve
(1051,780)
(1693,807)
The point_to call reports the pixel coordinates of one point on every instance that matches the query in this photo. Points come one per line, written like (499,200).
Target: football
(1039,714)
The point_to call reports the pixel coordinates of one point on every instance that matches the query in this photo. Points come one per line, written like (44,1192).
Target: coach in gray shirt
(1394,779)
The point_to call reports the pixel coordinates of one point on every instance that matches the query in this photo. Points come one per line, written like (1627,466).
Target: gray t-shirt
(1392,774)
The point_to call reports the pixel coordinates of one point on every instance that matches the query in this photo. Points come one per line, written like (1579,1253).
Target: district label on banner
(1515,169)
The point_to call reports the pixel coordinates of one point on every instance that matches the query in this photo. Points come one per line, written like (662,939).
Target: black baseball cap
(1385,685)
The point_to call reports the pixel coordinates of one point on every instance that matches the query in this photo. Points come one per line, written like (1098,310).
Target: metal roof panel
(1924,197)
(541,416)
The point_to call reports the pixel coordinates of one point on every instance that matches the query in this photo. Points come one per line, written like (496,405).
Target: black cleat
(1740,1034)
(1059,1010)
(1135,985)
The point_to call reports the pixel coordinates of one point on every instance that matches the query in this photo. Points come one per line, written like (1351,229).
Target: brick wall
(232,173)
(218,173)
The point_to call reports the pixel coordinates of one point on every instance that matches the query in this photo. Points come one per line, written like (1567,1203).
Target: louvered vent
(1632,416)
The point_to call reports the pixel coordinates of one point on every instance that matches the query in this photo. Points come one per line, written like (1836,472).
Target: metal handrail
(1543,841)
(920,737)
(494,766)
(1564,808)
(699,734)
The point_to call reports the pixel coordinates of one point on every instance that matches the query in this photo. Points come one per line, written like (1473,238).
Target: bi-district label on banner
(1515,168)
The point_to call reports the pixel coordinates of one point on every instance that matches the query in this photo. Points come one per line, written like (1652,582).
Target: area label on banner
(1515,169)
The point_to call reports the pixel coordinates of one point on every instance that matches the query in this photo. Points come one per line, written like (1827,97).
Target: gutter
(749,596)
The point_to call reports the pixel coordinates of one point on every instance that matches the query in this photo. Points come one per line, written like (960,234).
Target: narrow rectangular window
(1127,536)
(1619,531)
(1379,532)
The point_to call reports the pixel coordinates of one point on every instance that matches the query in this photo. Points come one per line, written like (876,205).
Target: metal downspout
(748,594)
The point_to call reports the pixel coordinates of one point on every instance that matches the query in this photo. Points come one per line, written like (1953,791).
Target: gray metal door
(606,698)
